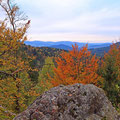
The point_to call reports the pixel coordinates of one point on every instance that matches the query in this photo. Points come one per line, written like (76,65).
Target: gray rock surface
(73,102)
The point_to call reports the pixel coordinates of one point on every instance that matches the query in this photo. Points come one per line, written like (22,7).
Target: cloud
(63,18)
(82,23)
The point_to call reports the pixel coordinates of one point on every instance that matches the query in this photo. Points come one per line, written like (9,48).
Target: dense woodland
(26,72)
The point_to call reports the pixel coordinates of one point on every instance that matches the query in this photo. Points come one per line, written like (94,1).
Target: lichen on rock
(72,102)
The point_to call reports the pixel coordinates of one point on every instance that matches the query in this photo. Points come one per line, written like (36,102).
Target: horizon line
(68,41)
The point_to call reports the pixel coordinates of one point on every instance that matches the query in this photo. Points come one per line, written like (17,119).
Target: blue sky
(73,20)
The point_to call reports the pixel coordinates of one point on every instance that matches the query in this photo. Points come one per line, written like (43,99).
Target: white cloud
(82,23)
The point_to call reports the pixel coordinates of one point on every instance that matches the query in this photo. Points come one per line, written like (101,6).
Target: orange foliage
(76,66)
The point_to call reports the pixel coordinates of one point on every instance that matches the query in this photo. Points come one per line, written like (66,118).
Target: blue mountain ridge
(66,45)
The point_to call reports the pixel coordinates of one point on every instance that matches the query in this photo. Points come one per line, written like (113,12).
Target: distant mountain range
(100,51)
(96,48)
(66,45)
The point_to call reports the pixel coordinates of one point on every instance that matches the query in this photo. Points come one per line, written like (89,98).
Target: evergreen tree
(110,71)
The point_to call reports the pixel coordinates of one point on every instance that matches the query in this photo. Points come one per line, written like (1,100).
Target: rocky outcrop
(73,102)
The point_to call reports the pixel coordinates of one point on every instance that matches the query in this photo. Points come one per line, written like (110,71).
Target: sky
(73,20)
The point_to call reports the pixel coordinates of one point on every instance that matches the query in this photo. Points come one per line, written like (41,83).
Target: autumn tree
(110,71)
(15,85)
(76,66)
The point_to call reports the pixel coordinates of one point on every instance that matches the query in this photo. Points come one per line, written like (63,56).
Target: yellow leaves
(33,93)
(14,84)
(18,80)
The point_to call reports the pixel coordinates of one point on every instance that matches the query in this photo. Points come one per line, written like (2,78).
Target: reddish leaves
(76,66)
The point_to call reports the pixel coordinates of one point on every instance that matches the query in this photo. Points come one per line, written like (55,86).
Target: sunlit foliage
(76,66)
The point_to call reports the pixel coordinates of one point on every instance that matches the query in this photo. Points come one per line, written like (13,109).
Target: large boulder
(73,102)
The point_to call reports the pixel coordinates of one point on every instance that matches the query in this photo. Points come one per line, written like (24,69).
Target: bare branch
(2,53)
(13,14)
(7,74)
(17,71)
